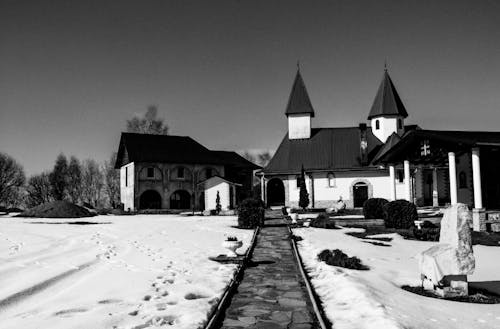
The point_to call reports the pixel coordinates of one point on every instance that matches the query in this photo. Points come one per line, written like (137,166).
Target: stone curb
(220,309)
(320,314)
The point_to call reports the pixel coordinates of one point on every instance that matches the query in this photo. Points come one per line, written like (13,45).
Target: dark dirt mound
(57,209)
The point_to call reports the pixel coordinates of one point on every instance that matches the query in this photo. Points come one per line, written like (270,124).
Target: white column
(453,177)
(476,176)
(407,180)
(262,188)
(435,196)
(392,186)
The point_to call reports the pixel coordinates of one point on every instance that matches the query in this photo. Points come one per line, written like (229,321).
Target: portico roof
(431,146)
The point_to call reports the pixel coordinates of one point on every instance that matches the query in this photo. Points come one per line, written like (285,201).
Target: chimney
(363,144)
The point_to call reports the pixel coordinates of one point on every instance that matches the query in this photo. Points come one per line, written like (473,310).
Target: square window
(151,172)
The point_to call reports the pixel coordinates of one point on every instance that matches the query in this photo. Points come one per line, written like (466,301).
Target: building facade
(165,172)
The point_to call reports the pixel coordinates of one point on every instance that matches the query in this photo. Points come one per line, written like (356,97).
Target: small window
(462,180)
(180,172)
(400,124)
(377,125)
(209,172)
(331,180)
(151,172)
(400,175)
(126,176)
(297,180)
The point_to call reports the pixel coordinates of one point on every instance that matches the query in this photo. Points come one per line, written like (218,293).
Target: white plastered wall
(387,126)
(127,186)
(211,189)
(299,126)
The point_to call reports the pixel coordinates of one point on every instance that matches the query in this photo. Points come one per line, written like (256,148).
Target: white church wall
(326,196)
(387,126)
(127,183)
(299,126)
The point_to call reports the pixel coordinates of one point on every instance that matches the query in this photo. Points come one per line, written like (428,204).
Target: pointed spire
(299,102)
(387,101)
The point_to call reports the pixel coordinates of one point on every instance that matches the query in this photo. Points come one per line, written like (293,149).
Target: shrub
(400,214)
(323,221)
(338,258)
(428,232)
(251,213)
(374,208)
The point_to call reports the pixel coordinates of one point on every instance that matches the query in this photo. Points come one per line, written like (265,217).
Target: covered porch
(427,153)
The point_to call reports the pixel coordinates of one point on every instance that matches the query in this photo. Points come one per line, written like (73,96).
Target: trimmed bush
(429,232)
(251,213)
(374,208)
(338,258)
(323,221)
(400,214)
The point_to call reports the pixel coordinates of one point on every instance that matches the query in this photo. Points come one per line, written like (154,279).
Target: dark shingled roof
(387,100)
(454,140)
(389,143)
(235,159)
(327,149)
(299,101)
(172,149)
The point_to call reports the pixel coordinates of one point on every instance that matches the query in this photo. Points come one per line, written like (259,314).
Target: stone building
(165,172)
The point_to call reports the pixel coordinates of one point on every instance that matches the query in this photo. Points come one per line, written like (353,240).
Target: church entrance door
(360,193)
(275,192)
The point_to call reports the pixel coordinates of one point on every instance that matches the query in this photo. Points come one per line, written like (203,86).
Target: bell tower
(299,110)
(388,112)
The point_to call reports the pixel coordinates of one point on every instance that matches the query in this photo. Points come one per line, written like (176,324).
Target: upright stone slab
(447,264)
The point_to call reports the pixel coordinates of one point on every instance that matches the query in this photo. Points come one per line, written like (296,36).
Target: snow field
(128,272)
(373,299)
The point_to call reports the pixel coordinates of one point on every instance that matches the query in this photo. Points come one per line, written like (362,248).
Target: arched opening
(360,194)
(275,192)
(150,200)
(180,199)
(201,201)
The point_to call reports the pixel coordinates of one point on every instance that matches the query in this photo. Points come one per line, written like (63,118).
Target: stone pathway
(272,293)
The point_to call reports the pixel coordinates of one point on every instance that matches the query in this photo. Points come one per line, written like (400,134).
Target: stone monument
(444,267)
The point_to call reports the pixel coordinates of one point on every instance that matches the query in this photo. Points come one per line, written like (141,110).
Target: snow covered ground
(373,299)
(124,273)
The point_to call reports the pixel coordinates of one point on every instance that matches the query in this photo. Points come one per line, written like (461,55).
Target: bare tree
(59,178)
(112,181)
(92,183)
(148,124)
(39,189)
(12,179)
(74,180)
(249,156)
(264,158)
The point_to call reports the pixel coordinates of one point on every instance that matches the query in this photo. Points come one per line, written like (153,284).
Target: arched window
(462,180)
(331,179)
(377,125)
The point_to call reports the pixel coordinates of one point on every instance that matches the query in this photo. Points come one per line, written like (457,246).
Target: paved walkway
(272,293)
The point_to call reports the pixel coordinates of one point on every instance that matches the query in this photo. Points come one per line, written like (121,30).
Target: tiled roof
(299,101)
(327,149)
(387,101)
(172,149)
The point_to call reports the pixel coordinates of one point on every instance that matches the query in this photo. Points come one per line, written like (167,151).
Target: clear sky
(72,72)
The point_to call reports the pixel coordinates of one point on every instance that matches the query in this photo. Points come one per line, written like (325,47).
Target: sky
(72,72)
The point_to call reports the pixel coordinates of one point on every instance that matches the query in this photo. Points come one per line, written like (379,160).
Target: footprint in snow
(70,312)
(193,296)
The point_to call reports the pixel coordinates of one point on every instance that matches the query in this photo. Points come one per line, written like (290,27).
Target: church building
(380,158)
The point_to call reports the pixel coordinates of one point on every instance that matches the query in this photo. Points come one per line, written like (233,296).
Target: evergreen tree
(218,207)
(304,195)
(12,179)
(59,178)
(112,181)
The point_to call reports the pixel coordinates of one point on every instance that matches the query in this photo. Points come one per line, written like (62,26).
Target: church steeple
(299,110)
(387,101)
(299,102)
(388,111)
